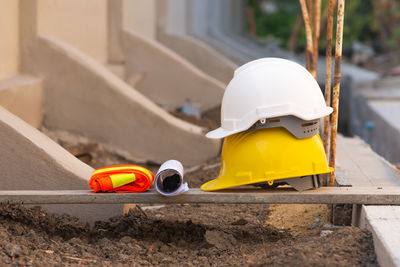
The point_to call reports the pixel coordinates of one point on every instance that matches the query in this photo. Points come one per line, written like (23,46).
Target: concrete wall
(179,18)
(172,16)
(374,116)
(32,161)
(22,95)
(82,24)
(140,16)
(201,55)
(9,40)
(78,89)
(168,79)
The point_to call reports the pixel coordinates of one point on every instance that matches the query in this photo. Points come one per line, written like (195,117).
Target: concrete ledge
(362,166)
(23,96)
(384,223)
(200,54)
(169,79)
(325,195)
(30,160)
(78,89)
(378,108)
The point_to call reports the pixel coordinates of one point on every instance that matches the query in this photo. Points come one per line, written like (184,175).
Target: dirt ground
(180,235)
(175,235)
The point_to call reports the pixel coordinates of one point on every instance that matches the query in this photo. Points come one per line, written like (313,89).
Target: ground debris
(219,239)
(176,235)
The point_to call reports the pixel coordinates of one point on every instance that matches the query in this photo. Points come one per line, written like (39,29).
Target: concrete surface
(384,223)
(117,69)
(82,24)
(9,44)
(78,89)
(140,16)
(362,166)
(115,20)
(375,116)
(175,22)
(201,55)
(23,96)
(169,80)
(156,71)
(32,161)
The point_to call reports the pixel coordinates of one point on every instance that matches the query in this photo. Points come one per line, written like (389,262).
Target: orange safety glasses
(121,179)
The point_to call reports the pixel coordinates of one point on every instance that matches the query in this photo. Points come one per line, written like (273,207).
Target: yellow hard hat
(267,155)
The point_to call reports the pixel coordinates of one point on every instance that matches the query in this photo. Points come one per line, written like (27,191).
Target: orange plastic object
(121,179)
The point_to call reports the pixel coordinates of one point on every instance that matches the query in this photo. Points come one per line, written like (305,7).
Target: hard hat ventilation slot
(308,124)
(298,127)
(276,120)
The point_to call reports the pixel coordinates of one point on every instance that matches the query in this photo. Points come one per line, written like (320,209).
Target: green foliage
(359,23)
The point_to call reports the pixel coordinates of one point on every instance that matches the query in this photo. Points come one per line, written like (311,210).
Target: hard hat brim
(222,133)
(219,133)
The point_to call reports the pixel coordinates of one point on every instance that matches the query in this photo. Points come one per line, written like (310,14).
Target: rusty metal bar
(309,4)
(328,74)
(336,87)
(309,52)
(316,32)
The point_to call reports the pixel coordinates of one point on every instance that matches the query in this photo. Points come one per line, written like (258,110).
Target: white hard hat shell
(269,88)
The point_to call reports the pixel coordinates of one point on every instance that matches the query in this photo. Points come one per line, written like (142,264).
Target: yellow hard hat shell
(266,155)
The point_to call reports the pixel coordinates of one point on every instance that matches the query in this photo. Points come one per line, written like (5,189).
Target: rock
(219,239)
(325,233)
(13,250)
(126,239)
(240,222)
(329,226)
(18,229)
(164,248)
(75,241)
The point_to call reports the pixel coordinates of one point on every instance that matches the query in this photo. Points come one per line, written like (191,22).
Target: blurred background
(371,32)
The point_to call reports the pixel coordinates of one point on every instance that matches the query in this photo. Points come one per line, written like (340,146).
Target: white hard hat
(269,88)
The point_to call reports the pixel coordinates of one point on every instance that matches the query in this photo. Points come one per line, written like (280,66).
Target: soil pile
(197,235)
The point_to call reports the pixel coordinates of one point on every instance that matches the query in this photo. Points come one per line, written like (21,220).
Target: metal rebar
(328,74)
(336,87)
(309,52)
(316,32)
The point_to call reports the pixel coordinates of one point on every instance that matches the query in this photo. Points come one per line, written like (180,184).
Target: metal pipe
(336,87)
(328,74)
(309,52)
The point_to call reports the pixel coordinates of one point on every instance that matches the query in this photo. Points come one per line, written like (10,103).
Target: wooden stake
(316,32)
(309,52)
(328,74)
(336,87)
